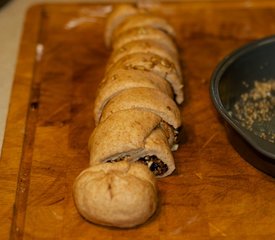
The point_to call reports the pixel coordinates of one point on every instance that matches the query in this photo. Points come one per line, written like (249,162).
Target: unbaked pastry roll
(145,46)
(125,135)
(120,194)
(156,64)
(143,20)
(121,79)
(137,121)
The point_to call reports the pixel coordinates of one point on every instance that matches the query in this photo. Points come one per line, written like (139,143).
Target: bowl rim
(218,72)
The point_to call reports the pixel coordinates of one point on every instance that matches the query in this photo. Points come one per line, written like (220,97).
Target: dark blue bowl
(234,76)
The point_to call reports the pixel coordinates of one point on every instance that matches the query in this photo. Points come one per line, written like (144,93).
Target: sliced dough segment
(144,20)
(99,194)
(121,134)
(126,135)
(116,17)
(120,79)
(145,99)
(156,64)
(144,33)
(145,46)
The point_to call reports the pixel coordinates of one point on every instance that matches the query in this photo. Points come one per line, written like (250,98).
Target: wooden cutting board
(214,193)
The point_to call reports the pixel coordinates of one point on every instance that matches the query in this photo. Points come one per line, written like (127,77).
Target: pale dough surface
(118,194)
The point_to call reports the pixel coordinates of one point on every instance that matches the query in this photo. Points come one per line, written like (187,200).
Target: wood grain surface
(214,193)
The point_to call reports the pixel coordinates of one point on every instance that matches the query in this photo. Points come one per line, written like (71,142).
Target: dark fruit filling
(155,165)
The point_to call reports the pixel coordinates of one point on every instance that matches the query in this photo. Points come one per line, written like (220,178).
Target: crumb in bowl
(255,110)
